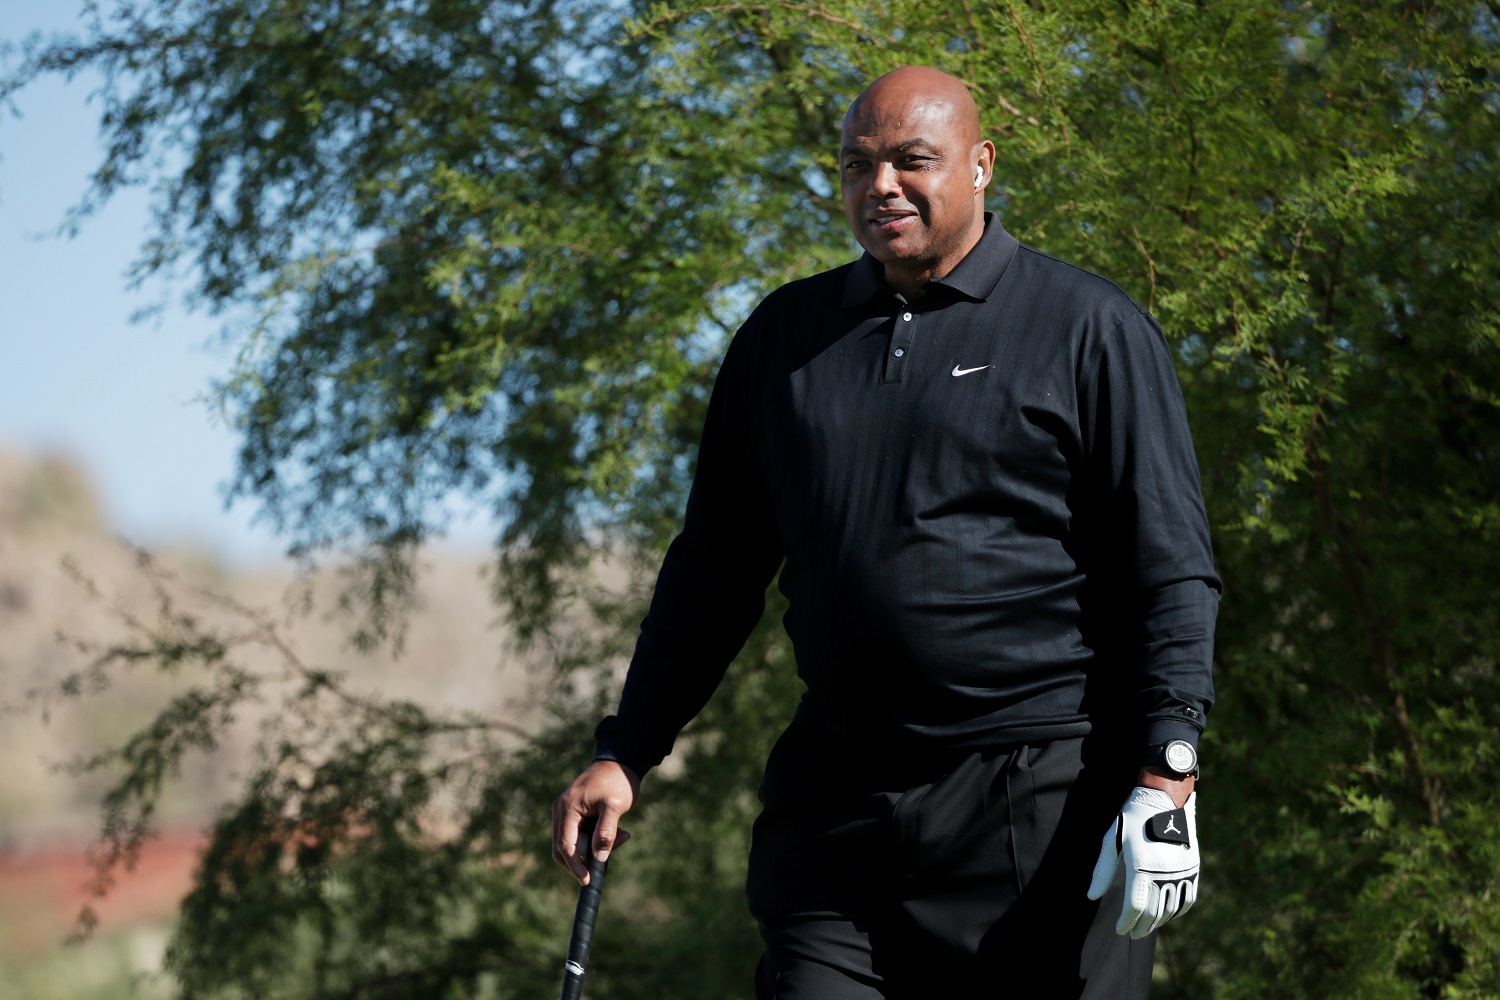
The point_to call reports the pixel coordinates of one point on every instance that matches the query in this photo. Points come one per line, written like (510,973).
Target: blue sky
(77,376)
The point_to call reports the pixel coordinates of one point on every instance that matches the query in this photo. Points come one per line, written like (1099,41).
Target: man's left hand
(1157,843)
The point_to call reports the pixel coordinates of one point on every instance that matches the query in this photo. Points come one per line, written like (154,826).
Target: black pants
(899,878)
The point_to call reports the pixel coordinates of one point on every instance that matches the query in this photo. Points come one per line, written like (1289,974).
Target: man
(974,462)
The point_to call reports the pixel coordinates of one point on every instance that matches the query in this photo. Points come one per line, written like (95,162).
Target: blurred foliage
(108,968)
(496,248)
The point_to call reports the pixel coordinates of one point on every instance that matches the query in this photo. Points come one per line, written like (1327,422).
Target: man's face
(911,176)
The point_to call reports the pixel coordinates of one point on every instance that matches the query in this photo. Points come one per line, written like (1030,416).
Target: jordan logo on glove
(1164,826)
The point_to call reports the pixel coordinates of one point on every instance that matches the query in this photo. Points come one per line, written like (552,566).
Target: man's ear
(986,163)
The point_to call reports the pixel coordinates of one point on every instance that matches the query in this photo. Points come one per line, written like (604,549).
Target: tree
(497,248)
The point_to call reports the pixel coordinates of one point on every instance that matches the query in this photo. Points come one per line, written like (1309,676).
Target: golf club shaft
(585,915)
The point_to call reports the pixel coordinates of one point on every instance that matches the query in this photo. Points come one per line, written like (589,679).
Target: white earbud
(979,177)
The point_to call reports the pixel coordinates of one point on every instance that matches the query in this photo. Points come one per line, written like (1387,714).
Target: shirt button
(900,352)
(906,316)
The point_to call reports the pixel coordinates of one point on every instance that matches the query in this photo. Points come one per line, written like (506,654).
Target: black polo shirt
(987,506)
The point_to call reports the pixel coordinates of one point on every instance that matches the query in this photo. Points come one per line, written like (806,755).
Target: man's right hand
(607,789)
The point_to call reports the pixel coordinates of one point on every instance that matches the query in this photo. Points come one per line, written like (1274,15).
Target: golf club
(585,915)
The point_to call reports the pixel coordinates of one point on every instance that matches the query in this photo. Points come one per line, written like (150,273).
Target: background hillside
(55,546)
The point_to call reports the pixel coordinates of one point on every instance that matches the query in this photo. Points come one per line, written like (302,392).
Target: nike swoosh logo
(957,371)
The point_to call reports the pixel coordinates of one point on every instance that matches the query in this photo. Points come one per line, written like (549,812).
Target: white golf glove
(1158,844)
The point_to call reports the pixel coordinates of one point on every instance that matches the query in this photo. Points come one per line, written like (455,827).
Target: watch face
(1181,757)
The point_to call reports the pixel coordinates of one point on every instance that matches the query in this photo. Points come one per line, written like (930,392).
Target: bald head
(912,171)
(917,88)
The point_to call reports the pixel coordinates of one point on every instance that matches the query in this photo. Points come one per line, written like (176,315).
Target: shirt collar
(974,278)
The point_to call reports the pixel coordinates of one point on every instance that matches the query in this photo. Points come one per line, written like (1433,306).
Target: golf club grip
(584,916)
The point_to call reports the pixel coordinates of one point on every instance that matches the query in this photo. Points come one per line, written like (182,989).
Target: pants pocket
(1025,823)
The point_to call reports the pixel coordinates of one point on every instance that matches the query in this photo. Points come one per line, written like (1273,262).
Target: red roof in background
(42,891)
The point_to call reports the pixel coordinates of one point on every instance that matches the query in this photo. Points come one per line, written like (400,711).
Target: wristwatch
(1177,757)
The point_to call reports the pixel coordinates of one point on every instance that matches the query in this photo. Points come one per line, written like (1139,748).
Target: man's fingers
(1163,902)
(557,831)
(1104,868)
(607,832)
(608,835)
(1139,897)
(565,822)
(604,835)
(572,860)
(1162,908)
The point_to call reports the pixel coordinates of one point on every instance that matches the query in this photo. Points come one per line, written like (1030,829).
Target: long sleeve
(1153,539)
(711,589)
